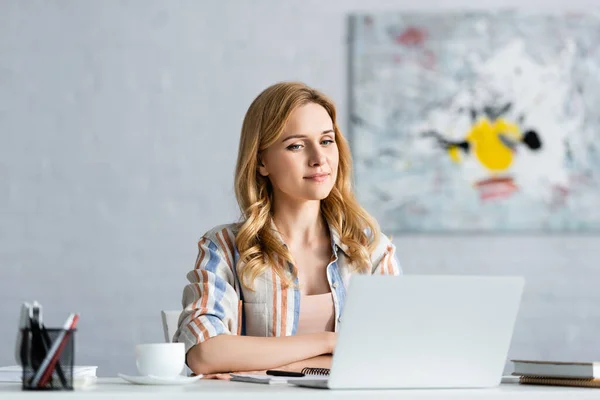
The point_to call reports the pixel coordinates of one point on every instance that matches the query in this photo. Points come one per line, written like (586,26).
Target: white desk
(115,388)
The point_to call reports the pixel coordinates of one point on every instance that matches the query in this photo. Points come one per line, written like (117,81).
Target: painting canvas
(477,121)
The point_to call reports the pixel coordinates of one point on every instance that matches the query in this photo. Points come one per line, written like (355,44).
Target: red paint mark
(493,180)
(496,188)
(412,37)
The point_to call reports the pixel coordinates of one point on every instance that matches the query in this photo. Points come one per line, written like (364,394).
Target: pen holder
(47,358)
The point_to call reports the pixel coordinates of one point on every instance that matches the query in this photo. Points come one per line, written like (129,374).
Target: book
(537,380)
(556,369)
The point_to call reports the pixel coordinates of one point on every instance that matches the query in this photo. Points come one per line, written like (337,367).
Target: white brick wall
(113,114)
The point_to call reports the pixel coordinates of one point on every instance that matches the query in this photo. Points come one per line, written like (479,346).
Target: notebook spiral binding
(315,371)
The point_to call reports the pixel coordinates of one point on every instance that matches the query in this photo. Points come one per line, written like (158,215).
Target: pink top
(317,314)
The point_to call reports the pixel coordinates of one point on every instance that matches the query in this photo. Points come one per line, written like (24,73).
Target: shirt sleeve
(385,260)
(210,302)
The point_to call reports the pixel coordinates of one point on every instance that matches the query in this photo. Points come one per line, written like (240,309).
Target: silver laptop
(423,332)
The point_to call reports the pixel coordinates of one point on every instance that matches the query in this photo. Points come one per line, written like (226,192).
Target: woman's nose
(317,158)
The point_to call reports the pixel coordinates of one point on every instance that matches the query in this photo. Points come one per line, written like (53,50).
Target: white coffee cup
(165,360)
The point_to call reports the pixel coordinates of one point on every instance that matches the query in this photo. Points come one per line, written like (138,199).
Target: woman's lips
(317,177)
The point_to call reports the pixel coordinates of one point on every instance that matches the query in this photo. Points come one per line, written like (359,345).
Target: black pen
(274,372)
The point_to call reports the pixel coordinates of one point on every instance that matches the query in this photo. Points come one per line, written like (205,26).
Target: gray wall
(119,124)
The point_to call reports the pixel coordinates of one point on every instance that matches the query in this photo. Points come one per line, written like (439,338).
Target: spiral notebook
(309,373)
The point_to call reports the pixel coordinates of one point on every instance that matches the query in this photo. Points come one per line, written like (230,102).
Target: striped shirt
(215,302)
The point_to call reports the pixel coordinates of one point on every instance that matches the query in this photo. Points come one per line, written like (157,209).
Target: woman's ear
(262,169)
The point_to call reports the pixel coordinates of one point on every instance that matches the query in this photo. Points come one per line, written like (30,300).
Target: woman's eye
(327,142)
(294,147)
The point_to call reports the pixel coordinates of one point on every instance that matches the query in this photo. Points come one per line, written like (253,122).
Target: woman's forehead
(309,119)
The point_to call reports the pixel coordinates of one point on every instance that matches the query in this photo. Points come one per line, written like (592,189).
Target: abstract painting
(477,121)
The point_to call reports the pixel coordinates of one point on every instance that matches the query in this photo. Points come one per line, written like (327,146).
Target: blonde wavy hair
(259,246)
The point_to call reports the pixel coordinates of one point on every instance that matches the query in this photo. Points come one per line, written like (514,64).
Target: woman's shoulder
(222,235)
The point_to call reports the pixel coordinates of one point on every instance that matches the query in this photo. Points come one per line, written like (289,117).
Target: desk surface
(111,388)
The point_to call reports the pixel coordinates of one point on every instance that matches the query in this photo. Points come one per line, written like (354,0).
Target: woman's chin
(317,194)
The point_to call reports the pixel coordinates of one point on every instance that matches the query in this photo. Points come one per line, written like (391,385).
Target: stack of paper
(14,373)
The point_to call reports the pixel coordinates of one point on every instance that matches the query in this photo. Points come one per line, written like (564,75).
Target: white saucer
(155,380)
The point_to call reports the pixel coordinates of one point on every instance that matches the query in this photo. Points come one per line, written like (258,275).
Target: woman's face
(303,163)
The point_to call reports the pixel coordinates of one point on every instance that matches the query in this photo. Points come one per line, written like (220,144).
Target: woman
(268,292)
